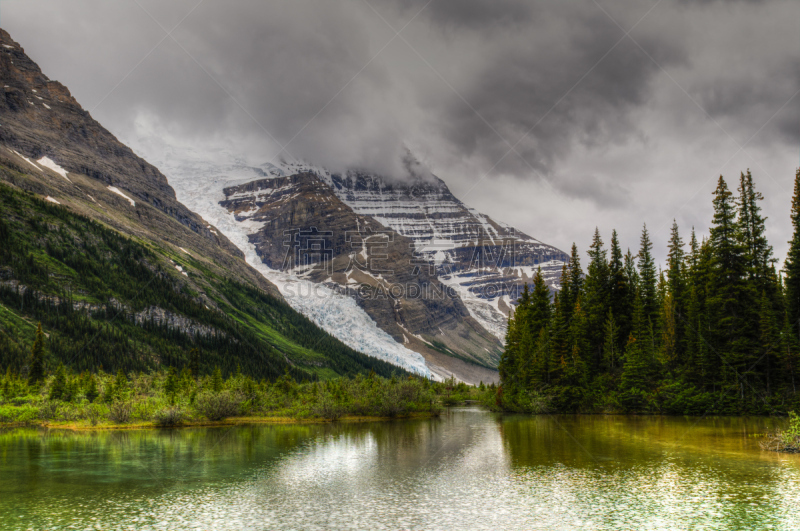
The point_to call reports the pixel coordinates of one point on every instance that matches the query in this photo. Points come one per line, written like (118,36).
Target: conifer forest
(715,332)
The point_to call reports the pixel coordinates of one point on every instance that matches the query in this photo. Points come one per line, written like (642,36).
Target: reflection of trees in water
(723,447)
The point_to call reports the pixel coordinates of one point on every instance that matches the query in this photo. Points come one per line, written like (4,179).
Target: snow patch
(26,159)
(119,192)
(46,106)
(48,198)
(47,162)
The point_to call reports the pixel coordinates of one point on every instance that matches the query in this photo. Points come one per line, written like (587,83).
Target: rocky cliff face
(299,225)
(486,262)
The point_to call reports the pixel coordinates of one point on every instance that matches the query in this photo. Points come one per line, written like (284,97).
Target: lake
(469,469)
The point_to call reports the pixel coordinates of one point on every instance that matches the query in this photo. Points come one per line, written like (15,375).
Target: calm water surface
(469,469)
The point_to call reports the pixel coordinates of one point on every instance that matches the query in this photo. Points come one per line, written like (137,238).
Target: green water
(469,469)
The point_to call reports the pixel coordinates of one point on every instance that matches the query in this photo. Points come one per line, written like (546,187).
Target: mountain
(96,246)
(436,243)
(485,261)
(436,333)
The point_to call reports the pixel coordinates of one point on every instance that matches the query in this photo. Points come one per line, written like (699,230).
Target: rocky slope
(485,261)
(45,131)
(298,225)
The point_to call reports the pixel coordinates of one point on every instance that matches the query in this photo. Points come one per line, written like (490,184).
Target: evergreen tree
(559,336)
(540,316)
(611,343)
(694,251)
(540,306)
(90,389)
(36,370)
(731,301)
(171,385)
(597,289)
(121,389)
(575,286)
(647,278)
(635,376)
(58,386)
(514,344)
(753,229)
(714,321)
(620,293)
(792,281)
(674,306)
(217,383)
(769,342)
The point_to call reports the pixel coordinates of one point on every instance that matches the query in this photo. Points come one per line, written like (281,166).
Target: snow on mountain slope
(486,262)
(198,180)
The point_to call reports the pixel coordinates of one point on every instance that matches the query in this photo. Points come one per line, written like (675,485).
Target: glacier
(198,180)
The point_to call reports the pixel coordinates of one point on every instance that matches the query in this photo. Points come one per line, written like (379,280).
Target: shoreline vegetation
(786,441)
(171,398)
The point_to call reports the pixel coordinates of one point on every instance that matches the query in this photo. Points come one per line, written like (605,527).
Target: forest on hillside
(101,297)
(715,333)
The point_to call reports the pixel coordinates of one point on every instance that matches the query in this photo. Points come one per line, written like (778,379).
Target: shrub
(169,417)
(48,410)
(120,411)
(787,440)
(93,413)
(22,414)
(327,407)
(217,406)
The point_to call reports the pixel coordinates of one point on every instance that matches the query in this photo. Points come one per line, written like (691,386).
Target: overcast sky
(552,116)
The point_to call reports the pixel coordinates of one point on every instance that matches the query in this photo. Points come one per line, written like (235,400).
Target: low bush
(48,410)
(120,411)
(19,414)
(93,413)
(217,406)
(327,407)
(169,417)
(787,440)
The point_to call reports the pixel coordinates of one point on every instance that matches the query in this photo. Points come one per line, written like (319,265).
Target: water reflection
(470,469)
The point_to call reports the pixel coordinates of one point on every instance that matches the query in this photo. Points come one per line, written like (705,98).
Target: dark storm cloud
(621,126)
(532,89)
(306,74)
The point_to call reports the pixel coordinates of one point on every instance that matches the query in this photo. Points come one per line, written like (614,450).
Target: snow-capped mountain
(486,261)
(199,178)
(437,240)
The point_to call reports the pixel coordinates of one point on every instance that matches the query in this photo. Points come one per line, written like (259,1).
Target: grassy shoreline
(167,398)
(84,425)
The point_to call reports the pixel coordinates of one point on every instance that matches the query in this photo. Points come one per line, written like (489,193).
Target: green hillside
(113,302)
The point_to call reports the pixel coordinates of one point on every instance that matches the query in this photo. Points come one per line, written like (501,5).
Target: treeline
(717,332)
(85,283)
